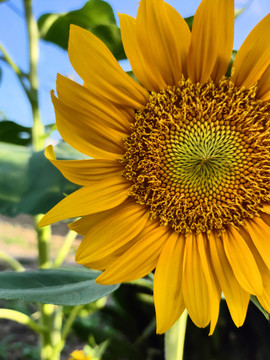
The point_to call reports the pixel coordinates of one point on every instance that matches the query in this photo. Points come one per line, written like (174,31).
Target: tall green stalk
(33,38)
(175,339)
(51,317)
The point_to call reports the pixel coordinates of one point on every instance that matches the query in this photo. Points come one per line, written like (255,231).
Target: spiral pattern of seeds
(198,155)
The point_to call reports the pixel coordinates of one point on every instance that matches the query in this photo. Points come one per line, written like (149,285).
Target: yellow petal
(265,214)
(266,208)
(265,298)
(99,109)
(266,218)
(153,46)
(84,172)
(137,261)
(99,196)
(225,36)
(213,287)
(119,251)
(115,229)
(87,135)
(253,56)
(263,86)
(236,298)
(85,223)
(163,38)
(242,262)
(169,302)
(100,71)
(259,232)
(264,271)
(103,263)
(206,35)
(140,68)
(195,288)
(182,37)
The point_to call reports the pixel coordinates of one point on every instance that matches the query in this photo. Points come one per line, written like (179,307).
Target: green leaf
(13,133)
(131,74)
(189,21)
(49,129)
(111,36)
(259,306)
(59,287)
(96,16)
(228,73)
(29,183)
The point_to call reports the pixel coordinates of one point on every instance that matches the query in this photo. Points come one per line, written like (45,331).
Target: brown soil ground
(18,239)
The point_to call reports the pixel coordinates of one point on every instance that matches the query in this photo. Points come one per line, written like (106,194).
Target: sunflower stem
(11,261)
(33,38)
(74,312)
(51,319)
(175,339)
(51,316)
(17,71)
(62,254)
(22,319)
(142,282)
(43,236)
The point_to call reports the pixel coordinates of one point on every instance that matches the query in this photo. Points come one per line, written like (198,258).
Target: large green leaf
(96,16)
(29,183)
(14,133)
(60,287)
(189,21)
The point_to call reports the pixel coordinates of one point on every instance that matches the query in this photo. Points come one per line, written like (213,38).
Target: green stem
(44,236)
(38,131)
(15,265)
(74,312)
(70,320)
(18,72)
(57,325)
(175,339)
(142,282)
(22,319)
(51,335)
(149,330)
(49,313)
(65,248)
(33,38)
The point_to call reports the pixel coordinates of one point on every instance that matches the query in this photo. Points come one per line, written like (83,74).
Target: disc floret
(198,155)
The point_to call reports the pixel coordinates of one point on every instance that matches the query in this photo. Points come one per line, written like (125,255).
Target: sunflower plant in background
(23,188)
(175,171)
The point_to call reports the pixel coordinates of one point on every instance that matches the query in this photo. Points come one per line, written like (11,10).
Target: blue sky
(53,59)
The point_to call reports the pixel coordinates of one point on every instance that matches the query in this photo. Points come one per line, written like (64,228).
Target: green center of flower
(198,155)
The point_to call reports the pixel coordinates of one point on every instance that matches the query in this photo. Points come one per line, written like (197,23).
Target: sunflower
(179,176)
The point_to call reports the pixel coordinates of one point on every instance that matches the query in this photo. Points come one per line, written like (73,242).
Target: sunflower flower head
(179,180)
